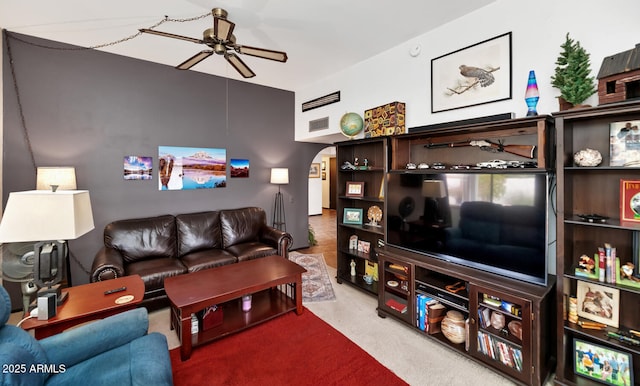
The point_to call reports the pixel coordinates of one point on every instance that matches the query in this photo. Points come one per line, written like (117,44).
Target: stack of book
(430,313)
(499,350)
(607,263)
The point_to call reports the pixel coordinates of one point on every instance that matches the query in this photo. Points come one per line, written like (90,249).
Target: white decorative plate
(124,299)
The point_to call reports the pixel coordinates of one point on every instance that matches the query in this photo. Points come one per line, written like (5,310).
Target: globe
(351,124)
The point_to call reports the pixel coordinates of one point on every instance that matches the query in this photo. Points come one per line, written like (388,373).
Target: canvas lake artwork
(189,168)
(138,168)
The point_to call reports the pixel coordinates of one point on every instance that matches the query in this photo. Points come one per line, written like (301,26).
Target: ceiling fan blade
(166,34)
(195,59)
(222,29)
(278,56)
(239,65)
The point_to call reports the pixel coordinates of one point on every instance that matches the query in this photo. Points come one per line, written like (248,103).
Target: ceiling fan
(221,40)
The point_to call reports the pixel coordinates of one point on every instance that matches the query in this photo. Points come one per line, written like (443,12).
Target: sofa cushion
(241,225)
(198,231)
(251,250)
(209,258)
(154,271)
(142,238)
(16,363)
(478,222)
(523,226)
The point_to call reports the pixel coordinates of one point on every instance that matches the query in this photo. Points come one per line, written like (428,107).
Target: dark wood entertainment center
(403,275)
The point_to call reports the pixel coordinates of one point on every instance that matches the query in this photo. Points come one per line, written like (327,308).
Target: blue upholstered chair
(113,351)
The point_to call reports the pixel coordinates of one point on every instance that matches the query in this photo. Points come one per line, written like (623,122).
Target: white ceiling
(320,37)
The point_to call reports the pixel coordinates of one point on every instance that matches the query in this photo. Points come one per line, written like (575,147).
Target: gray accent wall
(89,109)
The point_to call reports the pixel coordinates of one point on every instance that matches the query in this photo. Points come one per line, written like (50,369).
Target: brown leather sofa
(163,246)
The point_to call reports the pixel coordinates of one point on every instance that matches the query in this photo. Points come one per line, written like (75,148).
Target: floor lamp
(279,176)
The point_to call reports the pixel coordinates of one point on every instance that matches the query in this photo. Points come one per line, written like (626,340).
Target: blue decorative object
(531,96)
(114,350)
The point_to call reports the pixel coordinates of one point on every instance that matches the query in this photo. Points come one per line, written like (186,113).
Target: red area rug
(288,350)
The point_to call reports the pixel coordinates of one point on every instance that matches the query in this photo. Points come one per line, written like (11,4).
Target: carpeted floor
(316,284)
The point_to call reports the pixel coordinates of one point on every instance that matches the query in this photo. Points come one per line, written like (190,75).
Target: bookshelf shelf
(576,130)
(375,151)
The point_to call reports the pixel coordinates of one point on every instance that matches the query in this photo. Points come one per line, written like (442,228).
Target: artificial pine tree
(572,73)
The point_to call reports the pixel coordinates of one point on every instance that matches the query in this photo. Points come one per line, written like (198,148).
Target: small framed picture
(624,143)
(598,303)
(595,362)
(352,216)
(364,246)
(354,189)
(353,242)
(314,170)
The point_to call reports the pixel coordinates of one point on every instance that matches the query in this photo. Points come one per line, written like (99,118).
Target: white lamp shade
(63,177)
(280,176)
(43,215)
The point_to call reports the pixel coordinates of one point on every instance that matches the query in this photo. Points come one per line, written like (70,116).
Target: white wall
(538,29)
(315,190)
(326,184)
(319,189)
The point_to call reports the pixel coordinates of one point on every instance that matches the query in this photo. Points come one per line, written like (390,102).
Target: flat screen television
(491,221)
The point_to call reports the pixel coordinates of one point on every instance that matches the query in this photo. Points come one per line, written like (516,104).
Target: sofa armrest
(107,264)
(277,238)
(89,340)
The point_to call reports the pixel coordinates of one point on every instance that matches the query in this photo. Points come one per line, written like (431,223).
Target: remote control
(113,291)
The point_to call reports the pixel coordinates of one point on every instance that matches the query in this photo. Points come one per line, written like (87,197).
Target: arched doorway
(322,213)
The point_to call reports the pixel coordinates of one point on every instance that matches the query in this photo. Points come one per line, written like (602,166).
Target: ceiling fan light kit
(221,40)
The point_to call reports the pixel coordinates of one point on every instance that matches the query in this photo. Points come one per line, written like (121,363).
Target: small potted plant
(572,74)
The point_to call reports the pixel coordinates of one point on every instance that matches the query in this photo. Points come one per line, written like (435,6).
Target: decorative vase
(454,327)
(531,96)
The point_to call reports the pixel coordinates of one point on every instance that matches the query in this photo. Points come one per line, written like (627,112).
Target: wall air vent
(319,124)
(322,101)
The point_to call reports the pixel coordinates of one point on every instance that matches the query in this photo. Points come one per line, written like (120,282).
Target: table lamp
(279,176)
(47,218)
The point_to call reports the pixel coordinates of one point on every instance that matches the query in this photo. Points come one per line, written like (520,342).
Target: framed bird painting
(473,75)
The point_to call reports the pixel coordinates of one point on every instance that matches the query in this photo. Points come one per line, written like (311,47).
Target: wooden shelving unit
(375,152)
(591,190)
(431,276)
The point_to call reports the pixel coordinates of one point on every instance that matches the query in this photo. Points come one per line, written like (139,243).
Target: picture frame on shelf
(314,170)
(352,216)
(354,189)
(364,246)
(624,144)
(353,242)
(473,75)
(630,200)
(598,303)
(584,366)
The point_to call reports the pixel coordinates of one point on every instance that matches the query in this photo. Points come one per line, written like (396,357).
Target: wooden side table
(88,302)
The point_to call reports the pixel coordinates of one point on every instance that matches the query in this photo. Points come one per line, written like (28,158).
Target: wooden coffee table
(275,284)
(88,302)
